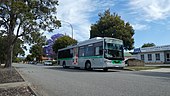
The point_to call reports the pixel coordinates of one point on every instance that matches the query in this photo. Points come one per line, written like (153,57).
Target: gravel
(16,91)
(8,76)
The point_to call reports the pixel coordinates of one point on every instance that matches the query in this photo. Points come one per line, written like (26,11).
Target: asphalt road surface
(56,81)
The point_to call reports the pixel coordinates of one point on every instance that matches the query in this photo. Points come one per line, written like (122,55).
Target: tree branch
(24,33)
(5,23)
(17,35)
(18,29)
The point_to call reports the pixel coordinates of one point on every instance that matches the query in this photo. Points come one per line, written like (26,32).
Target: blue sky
(149,18)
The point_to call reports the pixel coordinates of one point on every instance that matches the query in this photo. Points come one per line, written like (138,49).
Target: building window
(167,57)
(149,57)
(157,56)
(142,57)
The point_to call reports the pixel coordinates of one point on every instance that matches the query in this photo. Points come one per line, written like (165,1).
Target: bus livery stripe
(91,57)
(65,59)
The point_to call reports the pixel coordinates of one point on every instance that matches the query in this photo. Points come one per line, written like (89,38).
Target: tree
(148,45)
(2,48)
(18,48)
(63,42)
(37,49)
(29,58)
(111,25)
(26,17)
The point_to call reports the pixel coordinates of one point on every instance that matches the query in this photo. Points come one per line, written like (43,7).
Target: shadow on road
(60,68)
(155,74)
(78,70)
(20,67)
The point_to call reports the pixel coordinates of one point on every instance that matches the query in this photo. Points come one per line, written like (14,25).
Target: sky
(150,18)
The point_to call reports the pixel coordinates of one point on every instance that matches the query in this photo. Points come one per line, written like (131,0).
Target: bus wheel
(64,65)
(105,69)
(88,66)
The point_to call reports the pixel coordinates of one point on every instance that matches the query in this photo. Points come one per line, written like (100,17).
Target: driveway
(56,81)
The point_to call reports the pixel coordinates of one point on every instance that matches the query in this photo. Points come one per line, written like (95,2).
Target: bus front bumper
(110,64)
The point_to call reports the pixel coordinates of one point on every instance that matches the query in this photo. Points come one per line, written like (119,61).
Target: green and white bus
(96,53)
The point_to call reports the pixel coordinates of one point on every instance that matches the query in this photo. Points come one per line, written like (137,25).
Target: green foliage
(148,45)
(17,60)
(18,48)
(111,25)
(26,17)
(63,42)
(36,51)
(29,15)
(38,38)
(29,58)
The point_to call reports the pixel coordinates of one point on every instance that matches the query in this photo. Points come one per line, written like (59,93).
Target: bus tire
(88,65)
(105,69)
(64,64)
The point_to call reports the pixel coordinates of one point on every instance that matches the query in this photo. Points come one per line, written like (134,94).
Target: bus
(96,53)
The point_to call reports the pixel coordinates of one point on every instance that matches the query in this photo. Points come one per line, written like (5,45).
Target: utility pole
(70,26)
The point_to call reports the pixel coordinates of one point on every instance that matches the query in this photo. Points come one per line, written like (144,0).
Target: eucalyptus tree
(19,48)
(21,18)
(111,25)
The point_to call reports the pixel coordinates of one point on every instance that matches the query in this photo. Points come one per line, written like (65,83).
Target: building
(156,55)
(128,55)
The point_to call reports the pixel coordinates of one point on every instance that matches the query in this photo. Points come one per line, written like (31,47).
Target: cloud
(79,14)
(139,26)
(151,9)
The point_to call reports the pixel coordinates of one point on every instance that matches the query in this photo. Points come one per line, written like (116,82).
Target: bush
(17,60)
(54,62)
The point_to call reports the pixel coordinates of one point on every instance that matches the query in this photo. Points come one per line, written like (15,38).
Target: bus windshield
(113,51)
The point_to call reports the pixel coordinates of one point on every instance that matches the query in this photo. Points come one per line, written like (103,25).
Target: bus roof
(89,41)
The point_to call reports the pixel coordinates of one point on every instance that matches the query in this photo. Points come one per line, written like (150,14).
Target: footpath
(12,84)
(159,70)
(164,69)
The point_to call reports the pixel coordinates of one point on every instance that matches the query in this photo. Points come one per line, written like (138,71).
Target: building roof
(152,49)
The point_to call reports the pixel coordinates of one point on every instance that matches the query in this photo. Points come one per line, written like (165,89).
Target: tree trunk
(9,56)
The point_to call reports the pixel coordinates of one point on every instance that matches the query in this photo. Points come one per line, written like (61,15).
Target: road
(56,81)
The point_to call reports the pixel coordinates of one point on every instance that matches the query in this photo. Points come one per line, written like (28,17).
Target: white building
(157,54)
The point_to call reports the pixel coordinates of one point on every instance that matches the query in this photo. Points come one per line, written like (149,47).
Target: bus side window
(98,50)
(81,51)
(89,50)
(71,52)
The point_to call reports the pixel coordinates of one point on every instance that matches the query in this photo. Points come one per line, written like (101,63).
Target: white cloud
(79,14)
(151,9)
(139,26)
